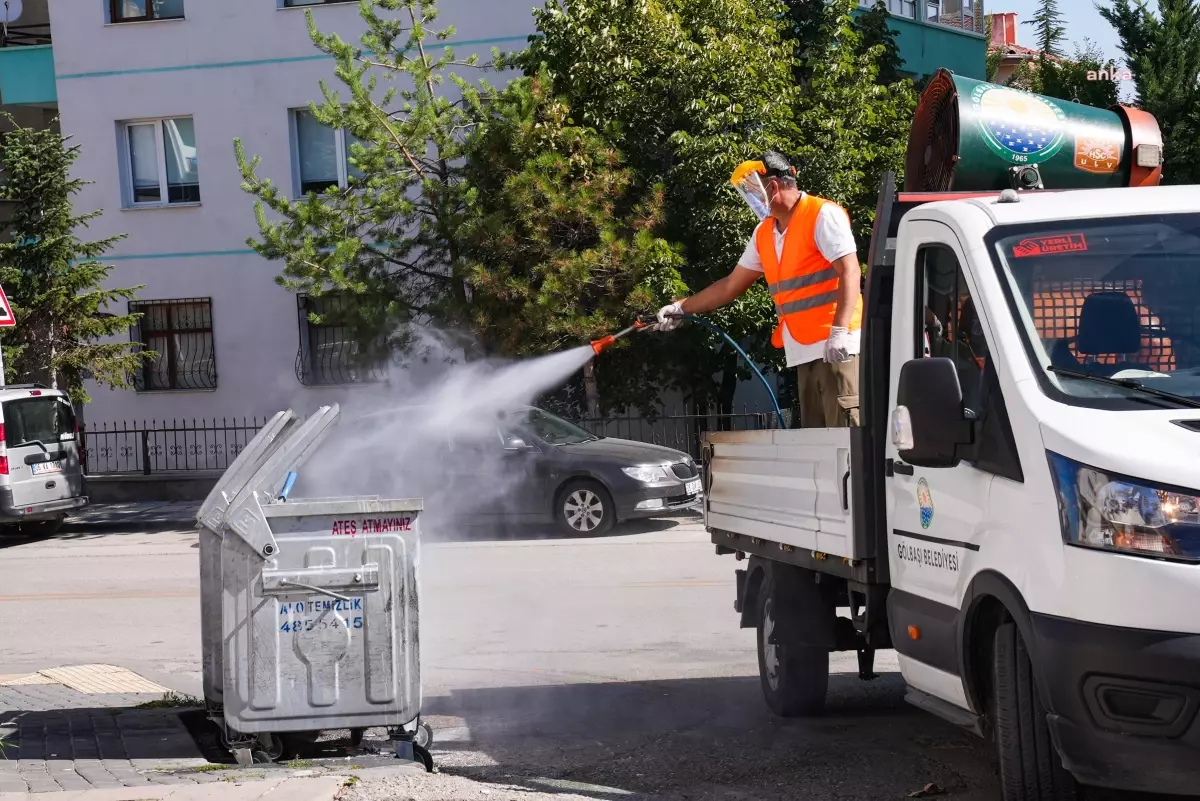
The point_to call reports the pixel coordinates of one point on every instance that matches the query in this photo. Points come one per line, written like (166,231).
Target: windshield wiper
(1126,383)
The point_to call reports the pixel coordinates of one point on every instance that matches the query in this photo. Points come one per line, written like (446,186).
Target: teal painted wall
(27,75)
(926,48)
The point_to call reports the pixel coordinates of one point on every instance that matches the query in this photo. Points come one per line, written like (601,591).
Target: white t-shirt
(834,239)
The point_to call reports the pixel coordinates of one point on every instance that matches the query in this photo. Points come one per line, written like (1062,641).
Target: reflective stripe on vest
(802,282)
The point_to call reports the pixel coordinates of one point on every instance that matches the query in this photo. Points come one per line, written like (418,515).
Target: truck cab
(1018,514)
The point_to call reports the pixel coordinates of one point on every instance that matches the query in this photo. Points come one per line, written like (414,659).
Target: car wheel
(1030,768)
(585,508)
(42,528)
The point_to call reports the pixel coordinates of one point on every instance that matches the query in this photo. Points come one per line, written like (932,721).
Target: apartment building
(156,91)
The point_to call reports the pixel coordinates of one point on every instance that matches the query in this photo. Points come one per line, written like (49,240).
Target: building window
(328,352)
(322,154)
(144,10)
(163,165)
(964,14)
(180,332)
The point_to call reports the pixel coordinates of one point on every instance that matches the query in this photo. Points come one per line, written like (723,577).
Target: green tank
(974,136)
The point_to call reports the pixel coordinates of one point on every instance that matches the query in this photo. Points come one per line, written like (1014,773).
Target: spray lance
(647,322)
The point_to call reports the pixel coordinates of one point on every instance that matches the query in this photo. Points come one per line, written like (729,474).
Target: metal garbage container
(309,606)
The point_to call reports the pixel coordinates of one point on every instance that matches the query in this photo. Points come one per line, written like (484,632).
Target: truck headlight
(647,474)
(1115,513)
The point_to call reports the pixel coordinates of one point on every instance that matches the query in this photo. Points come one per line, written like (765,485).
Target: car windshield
(553,429)
(1113,298)
(43,420)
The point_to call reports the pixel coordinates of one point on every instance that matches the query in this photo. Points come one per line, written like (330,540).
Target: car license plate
(693,487)
(47,467)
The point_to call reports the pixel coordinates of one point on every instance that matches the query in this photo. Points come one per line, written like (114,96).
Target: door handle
(892,467)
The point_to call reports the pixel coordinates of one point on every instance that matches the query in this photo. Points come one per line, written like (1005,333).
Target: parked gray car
(527,465)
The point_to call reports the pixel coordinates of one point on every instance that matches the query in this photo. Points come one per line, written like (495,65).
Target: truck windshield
(1112,298)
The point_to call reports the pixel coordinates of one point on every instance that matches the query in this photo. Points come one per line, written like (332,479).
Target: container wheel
(1030,768)
(794,676)
(424,735)
(356,737)
(585,508)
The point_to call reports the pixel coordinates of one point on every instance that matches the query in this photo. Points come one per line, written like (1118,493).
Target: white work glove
(666,323)
(837,346)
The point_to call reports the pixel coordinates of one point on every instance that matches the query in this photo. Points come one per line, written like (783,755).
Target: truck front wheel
(794,675)
(1030,768)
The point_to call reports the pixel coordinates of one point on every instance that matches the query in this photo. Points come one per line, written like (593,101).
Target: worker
(805,249)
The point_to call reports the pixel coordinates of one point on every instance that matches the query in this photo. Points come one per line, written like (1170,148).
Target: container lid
(245,518)
(256,453)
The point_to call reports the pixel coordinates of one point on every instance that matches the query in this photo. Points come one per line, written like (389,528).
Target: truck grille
(684,471)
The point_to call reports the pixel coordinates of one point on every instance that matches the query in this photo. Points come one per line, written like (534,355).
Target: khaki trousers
(828,394)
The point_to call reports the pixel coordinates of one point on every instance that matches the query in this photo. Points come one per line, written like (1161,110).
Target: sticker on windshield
(1049,245)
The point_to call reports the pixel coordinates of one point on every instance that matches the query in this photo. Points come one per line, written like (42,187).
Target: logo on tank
(925,502)
(1019,127)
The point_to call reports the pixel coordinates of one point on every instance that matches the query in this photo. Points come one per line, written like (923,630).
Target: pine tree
(390,239)
(565,246)
(1051,32)
(1163,54)
(53,279)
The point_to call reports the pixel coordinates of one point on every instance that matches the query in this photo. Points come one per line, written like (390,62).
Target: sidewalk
(173,514)
(282,788)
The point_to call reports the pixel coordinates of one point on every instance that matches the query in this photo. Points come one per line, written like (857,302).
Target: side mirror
(930,425)
(516,445)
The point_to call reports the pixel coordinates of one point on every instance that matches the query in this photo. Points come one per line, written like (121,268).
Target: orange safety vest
(803,283)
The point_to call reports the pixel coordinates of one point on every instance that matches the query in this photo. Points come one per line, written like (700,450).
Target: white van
(41,475)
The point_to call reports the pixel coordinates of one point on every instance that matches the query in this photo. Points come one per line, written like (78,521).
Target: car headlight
(1115,513)
(647,474)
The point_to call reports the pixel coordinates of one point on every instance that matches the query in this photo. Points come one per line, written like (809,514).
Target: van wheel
(794,676)
(584,507)
(43,528)
(1030,768)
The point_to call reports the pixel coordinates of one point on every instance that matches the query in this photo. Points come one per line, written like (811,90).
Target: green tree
(806,19)
(852,127)
(390,240)
(686,89)
(53,278)
(1051,32)
(1163,54)
(565,246)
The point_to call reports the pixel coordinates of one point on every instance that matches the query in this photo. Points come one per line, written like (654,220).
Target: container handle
(320,590)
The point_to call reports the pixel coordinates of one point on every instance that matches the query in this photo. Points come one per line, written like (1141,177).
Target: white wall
(236,67)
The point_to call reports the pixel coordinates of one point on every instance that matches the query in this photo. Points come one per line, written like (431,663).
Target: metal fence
(683,432)
(174,446)
(180,446)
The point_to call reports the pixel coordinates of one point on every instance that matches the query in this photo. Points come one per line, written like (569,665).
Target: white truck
(1018,514)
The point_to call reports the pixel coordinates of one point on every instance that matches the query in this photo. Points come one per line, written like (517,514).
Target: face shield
(747,180)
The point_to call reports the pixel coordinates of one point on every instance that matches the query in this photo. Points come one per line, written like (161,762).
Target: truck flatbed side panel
(791,487)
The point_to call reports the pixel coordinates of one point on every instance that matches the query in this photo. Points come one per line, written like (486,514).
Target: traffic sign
(6,316)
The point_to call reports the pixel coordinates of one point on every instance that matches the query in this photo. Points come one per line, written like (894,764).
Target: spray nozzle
(600,345)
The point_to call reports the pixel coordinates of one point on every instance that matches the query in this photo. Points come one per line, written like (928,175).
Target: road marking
(99,596)
(102,679)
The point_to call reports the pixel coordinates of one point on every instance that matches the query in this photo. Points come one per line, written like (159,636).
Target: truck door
(937,515)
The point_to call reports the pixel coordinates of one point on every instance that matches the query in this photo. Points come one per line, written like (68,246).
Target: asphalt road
(550,664)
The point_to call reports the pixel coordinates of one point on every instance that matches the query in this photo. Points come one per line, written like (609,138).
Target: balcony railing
(18,35)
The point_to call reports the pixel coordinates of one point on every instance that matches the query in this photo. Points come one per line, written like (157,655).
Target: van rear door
(43,456)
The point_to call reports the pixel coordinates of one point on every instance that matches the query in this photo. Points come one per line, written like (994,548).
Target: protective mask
(748,183)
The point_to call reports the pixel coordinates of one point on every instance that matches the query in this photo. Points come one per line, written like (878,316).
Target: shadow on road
(708,739)
(494,532)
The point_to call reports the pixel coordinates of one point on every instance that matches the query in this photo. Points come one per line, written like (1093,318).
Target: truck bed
(788,487)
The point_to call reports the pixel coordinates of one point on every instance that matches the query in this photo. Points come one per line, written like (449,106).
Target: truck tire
(794,676)
(1030,768)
